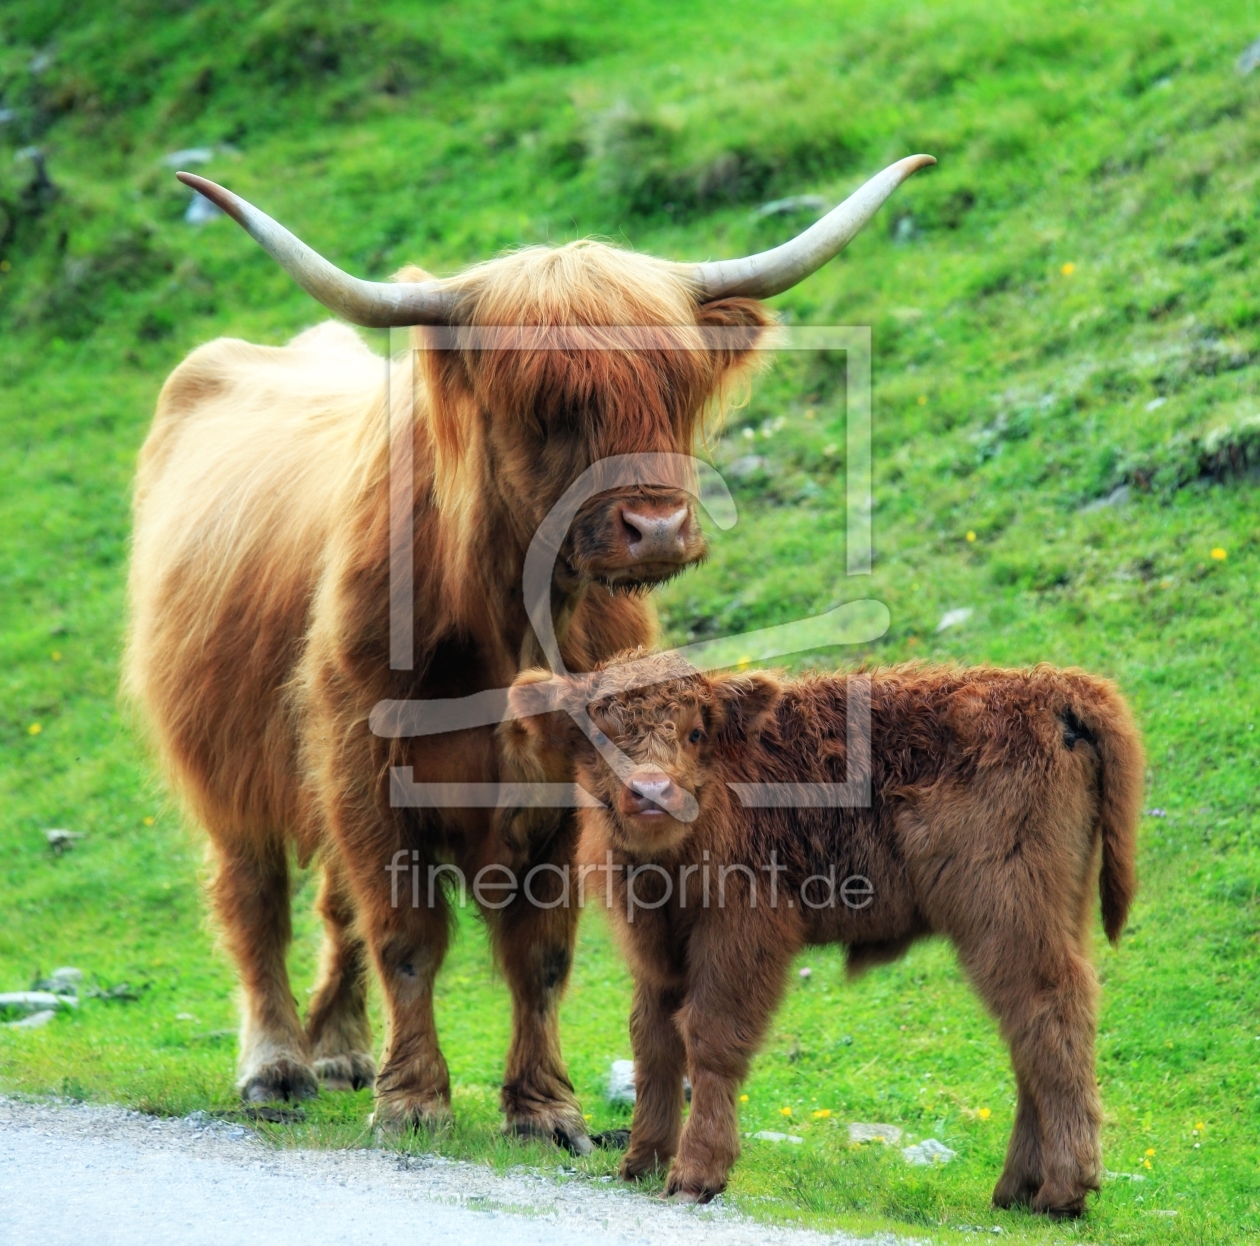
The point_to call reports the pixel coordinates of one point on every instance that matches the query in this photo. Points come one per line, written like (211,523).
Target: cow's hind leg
(337,1025)
(535,947)
(251,895)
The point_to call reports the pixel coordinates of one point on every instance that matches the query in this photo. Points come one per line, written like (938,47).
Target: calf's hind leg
(337,1024)
(1047,1017)
(251,895)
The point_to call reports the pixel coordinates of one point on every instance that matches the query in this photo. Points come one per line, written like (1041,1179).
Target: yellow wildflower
(984,1114)
(148,821)
(1150,1150)
(1219,554)
(744,663)
(785,1111)
(34,728)
(971,536)
(743,1098)
(56,656)
(923,400)
(1199,1125)
(822,1114)
(1068,269)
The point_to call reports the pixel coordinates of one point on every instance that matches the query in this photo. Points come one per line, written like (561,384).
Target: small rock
(60,840)
(621,1082)
(928,1152)
(793,203)
(1119,496)
(1249,58)
(1122,1176)
(769,1135)
(67,974)
(1156,403)
(954,618)
(749,465)
(188,155)
(33,1022)
(862,1131)
(201,210)
(806,973)
(35,1001)
(1156,813)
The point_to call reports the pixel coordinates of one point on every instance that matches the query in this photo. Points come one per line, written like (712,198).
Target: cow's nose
(655,535)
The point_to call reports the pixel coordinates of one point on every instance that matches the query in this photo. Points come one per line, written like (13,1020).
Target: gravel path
(73,1173)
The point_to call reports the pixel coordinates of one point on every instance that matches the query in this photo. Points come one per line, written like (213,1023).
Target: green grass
(1068,305)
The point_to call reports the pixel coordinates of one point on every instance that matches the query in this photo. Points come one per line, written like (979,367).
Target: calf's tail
(1096,712)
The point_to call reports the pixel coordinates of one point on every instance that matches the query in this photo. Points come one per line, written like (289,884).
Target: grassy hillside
(1067,340)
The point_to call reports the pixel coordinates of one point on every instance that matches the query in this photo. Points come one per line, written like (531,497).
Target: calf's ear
(539,723)
(743,705)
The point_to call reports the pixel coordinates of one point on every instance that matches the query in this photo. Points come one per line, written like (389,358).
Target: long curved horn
(772,272)
(372,304)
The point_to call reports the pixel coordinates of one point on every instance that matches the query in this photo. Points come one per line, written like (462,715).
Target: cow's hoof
(401,1114)
(611,1139)
(680,1188)
(284,1078)
(561,1130)
(350,1071)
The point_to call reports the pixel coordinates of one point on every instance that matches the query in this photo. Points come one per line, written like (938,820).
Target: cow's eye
(697,734)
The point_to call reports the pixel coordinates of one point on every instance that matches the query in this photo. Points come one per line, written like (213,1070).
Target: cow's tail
(1096,712)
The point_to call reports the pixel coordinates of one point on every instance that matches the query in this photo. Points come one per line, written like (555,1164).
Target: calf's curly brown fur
(997,797)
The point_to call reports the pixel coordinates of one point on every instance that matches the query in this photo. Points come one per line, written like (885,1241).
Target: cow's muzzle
(628,542)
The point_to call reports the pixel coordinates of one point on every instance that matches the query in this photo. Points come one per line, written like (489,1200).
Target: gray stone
(35,1001)
(954,618)
(927,1153)
(201,210)
(1119,496)
(1249,58)
(769,1135)
(793,203)
(188,155)
(60,840)
(621,1082)
(863,1131)
(749,465)
(33,1022)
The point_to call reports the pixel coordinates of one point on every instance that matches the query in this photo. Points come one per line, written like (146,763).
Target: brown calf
(991,794)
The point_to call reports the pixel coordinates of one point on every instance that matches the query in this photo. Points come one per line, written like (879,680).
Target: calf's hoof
(1059,1203)
(1015,1192)
(284,1078)
(352,1070)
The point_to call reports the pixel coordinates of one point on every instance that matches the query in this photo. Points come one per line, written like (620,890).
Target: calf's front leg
(659,1062)
(723,1022)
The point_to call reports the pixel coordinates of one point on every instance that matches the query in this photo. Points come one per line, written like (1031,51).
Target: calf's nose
(656,535)
(648,791)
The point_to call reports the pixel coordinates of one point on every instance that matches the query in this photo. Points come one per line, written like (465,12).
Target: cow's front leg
(533,938)
(408,937)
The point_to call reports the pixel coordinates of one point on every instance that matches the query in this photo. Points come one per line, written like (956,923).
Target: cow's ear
(742,705)
(740,324)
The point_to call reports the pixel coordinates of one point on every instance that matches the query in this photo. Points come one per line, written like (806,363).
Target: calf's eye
(696,736)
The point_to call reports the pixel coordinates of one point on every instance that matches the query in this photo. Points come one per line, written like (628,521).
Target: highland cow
(995,798)
(261,580)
